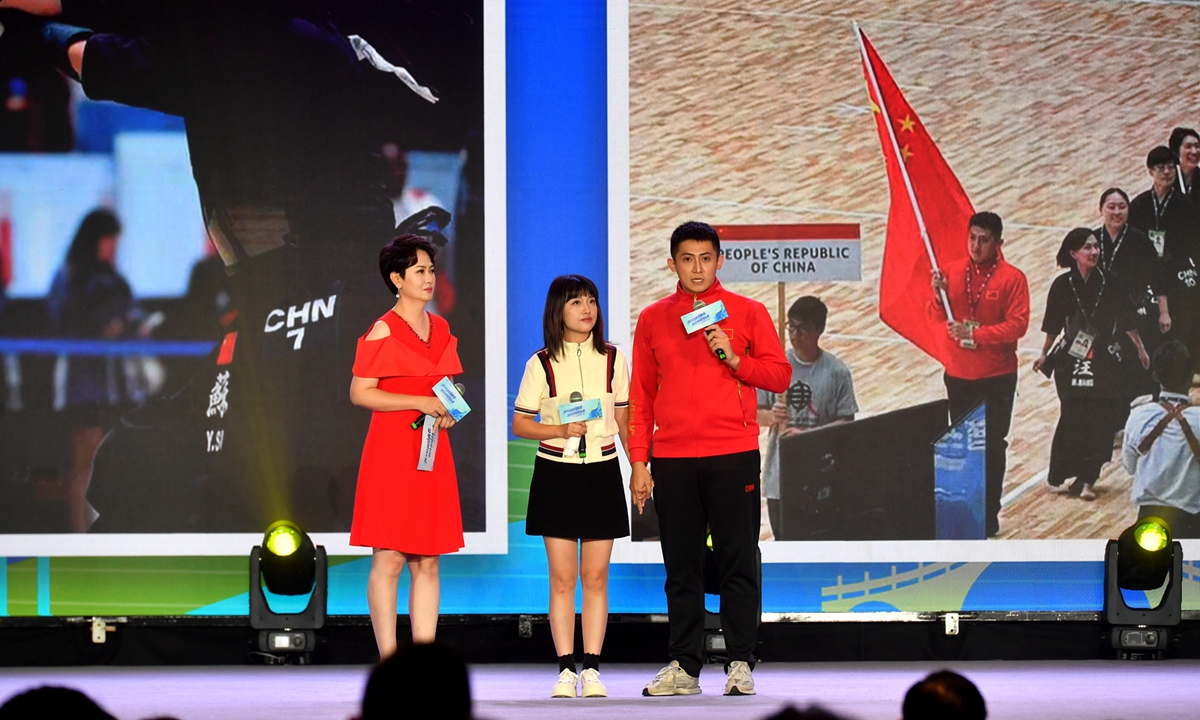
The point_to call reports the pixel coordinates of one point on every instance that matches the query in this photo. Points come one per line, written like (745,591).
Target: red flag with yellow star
(928,214)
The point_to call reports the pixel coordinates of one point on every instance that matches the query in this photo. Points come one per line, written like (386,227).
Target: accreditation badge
(1159,238)
(968,343)
(429,442)
(1081,346)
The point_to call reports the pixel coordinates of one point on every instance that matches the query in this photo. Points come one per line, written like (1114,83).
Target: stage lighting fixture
(287,563)
(288,559)
(1143,557)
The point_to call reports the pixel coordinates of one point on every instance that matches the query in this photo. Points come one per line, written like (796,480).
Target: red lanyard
(974,301)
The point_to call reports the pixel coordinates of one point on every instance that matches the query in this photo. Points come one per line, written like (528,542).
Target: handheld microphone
(696,306)
(576,445)
(420,421)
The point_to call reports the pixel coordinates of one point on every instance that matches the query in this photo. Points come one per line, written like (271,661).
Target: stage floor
(1095,690)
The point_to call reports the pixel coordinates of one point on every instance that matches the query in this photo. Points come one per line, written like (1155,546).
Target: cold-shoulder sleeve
(388,357)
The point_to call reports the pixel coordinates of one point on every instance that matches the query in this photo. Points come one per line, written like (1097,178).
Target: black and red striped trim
(549,450)
(611,353)
(544,358)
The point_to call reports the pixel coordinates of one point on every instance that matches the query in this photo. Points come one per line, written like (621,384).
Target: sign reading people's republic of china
(790,253)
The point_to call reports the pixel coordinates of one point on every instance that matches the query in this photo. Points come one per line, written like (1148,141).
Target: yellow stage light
(283,538)
(1152,534)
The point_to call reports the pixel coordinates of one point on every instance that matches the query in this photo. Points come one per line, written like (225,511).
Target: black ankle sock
(591,662)
(566,662)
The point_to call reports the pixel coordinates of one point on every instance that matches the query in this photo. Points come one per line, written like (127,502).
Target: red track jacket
(1003,314)
(683,400)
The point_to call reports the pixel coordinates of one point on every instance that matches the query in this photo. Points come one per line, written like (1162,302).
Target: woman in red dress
(406,515)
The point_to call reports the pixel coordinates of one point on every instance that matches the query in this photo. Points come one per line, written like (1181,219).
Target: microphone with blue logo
(420,421)
(576,445)
(696,306)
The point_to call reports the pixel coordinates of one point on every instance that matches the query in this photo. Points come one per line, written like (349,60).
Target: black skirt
(578,501)
(1083,439)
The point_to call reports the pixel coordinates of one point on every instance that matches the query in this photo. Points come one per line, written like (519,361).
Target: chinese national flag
(904,285)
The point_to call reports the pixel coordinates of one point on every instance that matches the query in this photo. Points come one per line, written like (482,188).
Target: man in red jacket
(693,416)
(990,302)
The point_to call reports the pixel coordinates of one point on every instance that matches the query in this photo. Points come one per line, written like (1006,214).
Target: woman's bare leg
(562,555)
(424,595)
(85,440)
(381,598)
(593,572)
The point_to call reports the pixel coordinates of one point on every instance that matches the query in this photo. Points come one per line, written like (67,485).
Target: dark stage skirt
(581,501)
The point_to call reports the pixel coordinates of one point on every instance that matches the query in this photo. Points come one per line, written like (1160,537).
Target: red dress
(398,507)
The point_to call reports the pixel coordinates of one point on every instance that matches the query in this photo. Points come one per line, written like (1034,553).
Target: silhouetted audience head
(812,712)
(52,702)
(433,672)
(944,695)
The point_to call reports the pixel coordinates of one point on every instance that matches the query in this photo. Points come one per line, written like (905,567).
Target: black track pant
(693,495)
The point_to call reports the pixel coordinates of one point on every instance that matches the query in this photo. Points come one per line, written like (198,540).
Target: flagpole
(912,196)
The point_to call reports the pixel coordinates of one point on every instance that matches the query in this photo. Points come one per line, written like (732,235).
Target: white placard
(790,260)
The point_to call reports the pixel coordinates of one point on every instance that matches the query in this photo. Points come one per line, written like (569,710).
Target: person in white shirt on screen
(821,392)
(1161,449)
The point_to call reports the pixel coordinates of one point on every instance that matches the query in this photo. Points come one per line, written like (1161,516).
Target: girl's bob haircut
(563,289)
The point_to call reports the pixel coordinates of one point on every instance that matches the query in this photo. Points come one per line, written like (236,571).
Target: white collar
(1175,397)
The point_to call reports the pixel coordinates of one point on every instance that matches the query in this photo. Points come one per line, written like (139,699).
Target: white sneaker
(739,680)
(592,687)
(565,687)
(672,680)
(1060,489)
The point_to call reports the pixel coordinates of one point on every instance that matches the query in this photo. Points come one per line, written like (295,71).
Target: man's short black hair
(401,254)
(1161,155)
(1171,365)
(809,309)
(692,230)
(944,695)
(989,221)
